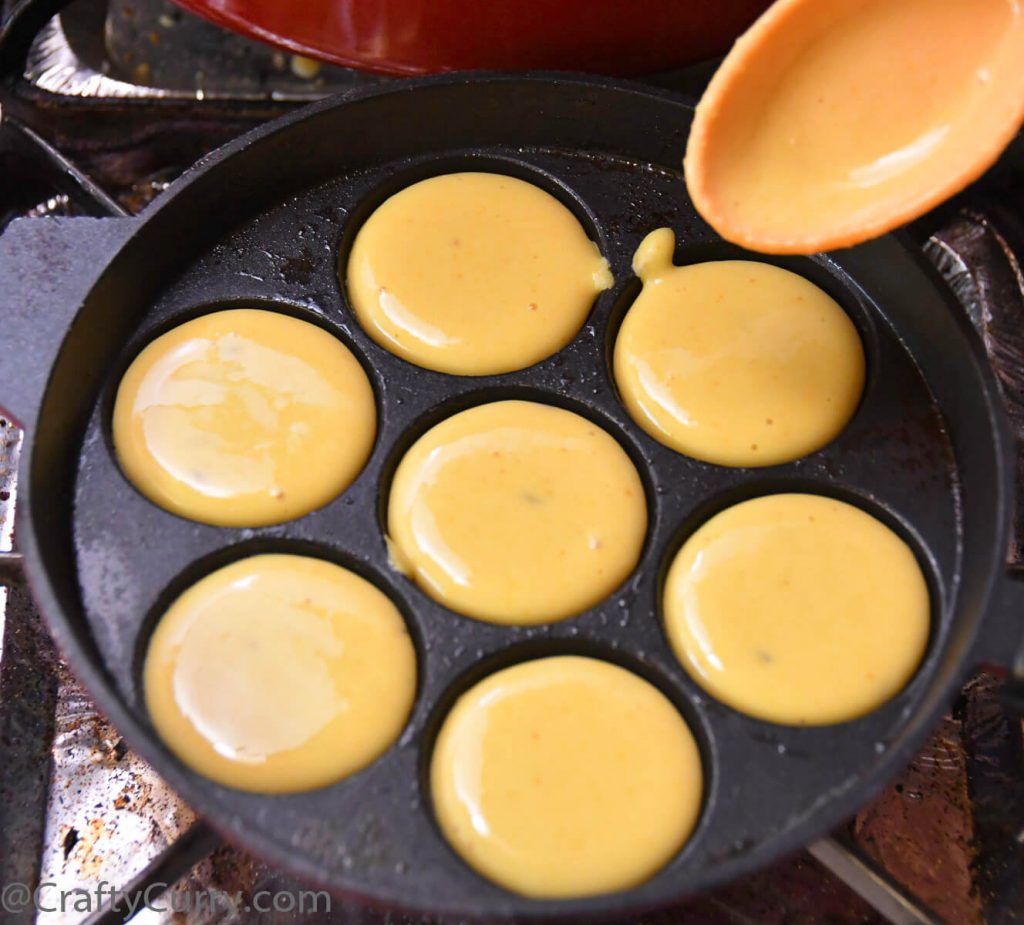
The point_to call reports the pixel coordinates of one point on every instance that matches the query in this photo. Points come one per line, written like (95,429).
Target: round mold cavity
(148,333)
(227,555)
(408,172)
(413,171)
(819,270)
(535,649)
(490,395)
(761,488)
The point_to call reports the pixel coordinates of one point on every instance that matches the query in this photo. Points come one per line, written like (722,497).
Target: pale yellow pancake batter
(516,512)
(280,673)
(244,418)
(474,274)
(565,777)
(797,609)
(735,362)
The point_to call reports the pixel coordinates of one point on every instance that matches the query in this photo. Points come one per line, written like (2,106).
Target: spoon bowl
(834,121)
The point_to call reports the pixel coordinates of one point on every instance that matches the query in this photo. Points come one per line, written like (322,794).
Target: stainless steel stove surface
(133,91)
(152,49)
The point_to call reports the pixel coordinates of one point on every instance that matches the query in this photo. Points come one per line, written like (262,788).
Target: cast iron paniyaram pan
(262,222)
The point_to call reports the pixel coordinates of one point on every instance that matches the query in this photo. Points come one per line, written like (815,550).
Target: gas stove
(104,102)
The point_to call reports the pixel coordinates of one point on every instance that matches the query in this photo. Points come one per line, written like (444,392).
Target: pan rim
(842,801)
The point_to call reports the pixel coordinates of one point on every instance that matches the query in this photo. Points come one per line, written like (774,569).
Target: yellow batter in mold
(244,418)
(280,673)
(565,777)
(474,274)
(516,512)
(797,609)
(735,362)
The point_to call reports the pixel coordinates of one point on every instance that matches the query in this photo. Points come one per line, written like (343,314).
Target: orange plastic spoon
(833,121)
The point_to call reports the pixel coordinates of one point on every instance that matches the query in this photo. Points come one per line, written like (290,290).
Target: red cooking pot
(424,36)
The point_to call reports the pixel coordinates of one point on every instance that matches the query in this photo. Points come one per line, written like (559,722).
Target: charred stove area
(103,106)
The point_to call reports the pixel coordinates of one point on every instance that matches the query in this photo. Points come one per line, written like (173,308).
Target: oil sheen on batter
(797,609)
(244,418)
(516,512)
(474,274)
(280,673)
(735,362)
(564,777)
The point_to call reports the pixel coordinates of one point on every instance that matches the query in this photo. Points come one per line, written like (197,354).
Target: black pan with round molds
(263,223)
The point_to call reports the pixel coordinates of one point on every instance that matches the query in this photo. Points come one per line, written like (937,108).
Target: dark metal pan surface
(262,222)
